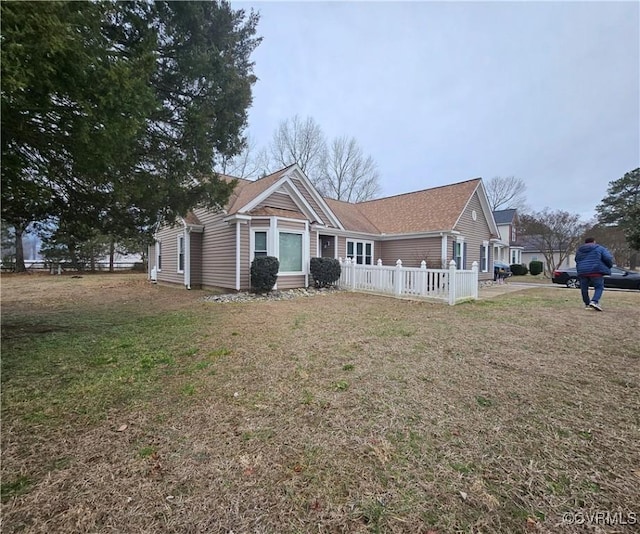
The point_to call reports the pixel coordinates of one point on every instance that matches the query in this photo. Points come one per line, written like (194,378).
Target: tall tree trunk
(73,254)
(633,261)
(112,253)
(20,267)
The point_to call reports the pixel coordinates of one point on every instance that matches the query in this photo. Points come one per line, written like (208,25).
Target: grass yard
(128,407)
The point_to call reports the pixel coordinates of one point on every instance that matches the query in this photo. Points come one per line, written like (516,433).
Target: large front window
(361,251)
(290,252)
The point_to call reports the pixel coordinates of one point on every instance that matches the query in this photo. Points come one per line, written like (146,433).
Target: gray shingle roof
(504,216)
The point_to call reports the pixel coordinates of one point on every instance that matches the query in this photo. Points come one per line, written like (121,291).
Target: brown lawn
(128,407)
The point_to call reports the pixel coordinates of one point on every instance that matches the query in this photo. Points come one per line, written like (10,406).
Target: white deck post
(452,282)
(351,262)
(474,268)
(398,279)
(424,287)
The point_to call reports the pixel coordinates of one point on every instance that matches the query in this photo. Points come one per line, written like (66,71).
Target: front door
(327,246)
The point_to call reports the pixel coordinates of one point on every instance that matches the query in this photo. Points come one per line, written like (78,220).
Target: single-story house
(283,215)
(531,252)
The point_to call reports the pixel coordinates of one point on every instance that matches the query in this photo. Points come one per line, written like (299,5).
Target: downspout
(237,255)
(306,245)
(187,257)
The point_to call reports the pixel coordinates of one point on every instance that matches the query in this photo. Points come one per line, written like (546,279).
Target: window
(290,252)
(513,234)
(259,244)
(159,255)
(458,248)
(484,257)
(362,251)
(515,256)
(180,253)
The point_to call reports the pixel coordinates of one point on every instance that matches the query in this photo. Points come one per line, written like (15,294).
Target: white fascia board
(316,196)
(237,217)
(301,221)
(488,214)
(415,235)
(484,204)
(262,196)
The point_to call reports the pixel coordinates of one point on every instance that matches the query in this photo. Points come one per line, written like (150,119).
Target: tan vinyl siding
(342,247)
(313,244)
(218,250)
(290,225)
(168,236)
(474,233)
(281,201)
(310,200)
(410,251)
(196,259)
(291,282)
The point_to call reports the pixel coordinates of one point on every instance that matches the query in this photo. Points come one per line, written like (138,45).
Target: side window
(260,244)
(180,253)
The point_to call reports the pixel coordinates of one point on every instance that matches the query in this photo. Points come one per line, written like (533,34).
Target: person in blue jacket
(593,261)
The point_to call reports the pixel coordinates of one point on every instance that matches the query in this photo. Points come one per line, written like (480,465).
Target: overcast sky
(440,92)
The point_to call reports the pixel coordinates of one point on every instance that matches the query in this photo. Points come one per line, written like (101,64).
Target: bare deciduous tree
(506,192)
(556,234)
(299,141)
(251,163)
(347,174)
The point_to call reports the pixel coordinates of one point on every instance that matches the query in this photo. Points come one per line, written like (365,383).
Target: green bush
(325,271)
(264,273)
(518,269)
(535,267)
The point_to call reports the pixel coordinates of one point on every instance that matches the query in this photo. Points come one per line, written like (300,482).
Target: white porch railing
(451,285)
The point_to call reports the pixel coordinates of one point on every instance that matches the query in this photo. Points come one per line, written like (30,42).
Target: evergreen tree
(113,112)
(621,206)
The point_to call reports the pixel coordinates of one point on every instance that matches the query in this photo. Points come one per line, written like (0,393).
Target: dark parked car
(619,278)
(501,270)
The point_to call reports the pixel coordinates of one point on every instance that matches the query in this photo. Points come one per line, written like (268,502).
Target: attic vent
(474,215)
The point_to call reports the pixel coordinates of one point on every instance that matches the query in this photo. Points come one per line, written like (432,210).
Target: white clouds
(437,92)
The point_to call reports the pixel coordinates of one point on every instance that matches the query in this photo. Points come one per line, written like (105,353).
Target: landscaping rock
(286,294)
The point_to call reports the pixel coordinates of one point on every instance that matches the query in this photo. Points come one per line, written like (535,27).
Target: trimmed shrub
(535,267)
(264,273)
(325,271)
(519,270)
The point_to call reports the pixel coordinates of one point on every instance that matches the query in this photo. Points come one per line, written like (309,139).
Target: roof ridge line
(419,191)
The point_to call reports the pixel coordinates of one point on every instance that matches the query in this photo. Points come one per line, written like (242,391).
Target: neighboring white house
(507,249)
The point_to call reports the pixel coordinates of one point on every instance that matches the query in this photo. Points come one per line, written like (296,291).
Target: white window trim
(252,244)
(179,237)
(158,256)
(273,246)
(364,242)
(460,241)
(485,246)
